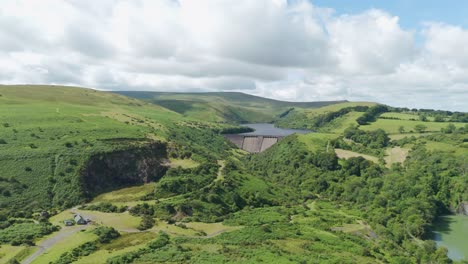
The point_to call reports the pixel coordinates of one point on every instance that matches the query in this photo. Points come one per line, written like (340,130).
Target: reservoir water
(271,130)
(451,231)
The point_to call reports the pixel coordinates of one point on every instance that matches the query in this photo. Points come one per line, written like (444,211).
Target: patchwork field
(392,126)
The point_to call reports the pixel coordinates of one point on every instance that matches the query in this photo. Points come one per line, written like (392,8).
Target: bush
(159,242)
(2,141)
(147,222)
(104,207)
(106,234)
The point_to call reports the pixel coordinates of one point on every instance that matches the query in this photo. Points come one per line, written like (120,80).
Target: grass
(64,246)
(48,127)
(396,154)
(401,136)
(335,107)
(402,116)
(211,228)
(446,147)
(130,194)
(316,141)
(392,126)
(173,229)
(223,107)
(183,163)
(120,221)
(8,252)
(346,154)
(340,124)
(125,243)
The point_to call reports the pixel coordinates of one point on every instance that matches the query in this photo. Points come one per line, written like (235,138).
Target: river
(271,130)
(451,231)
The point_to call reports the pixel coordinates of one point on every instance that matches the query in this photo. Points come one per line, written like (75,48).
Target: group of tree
(371,114)
(372,139)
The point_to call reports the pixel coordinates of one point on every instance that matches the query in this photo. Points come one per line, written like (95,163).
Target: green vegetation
(161,184)
(24,233)
(224,107)
(105,236)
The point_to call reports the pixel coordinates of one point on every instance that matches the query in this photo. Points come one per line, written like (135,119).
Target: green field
(64,246)
(392,126)
(401,116)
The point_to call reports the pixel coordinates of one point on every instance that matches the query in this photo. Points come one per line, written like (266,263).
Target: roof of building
(78,218)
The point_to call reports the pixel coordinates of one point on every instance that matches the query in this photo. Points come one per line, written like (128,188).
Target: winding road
(50,242)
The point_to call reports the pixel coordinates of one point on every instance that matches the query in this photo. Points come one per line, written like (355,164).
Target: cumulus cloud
(291,50)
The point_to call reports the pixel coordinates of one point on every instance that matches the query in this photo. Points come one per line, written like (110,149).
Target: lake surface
(451,231)
(271,130)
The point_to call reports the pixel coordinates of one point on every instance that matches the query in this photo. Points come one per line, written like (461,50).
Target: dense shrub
(373,139)
(106,234)
(147,222)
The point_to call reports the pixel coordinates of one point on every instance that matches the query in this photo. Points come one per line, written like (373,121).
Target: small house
(68,222)
(79,220)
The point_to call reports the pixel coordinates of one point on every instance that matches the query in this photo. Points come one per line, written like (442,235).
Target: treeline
(372,139)
(326,118)
(401,203)
(235,130)
(438,115)
(371,114)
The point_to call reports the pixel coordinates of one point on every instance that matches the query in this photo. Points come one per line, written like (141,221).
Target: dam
(264,136)
(253,144)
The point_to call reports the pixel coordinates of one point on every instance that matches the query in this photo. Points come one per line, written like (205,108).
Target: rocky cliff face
(108,171)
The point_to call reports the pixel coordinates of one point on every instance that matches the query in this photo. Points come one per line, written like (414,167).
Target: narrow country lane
(50,242)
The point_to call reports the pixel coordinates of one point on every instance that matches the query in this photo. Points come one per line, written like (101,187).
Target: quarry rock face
(121,168)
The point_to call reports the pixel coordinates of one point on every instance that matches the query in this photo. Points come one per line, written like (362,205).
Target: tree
(106,234)
(451,128)
(147,222)
(401,129)
(420,128)
(439,118)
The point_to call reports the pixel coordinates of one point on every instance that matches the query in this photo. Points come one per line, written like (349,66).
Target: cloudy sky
(401,52)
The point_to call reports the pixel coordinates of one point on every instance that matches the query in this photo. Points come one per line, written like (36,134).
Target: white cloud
(289,50)
(372,42)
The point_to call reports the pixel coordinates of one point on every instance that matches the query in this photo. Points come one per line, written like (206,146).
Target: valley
(160,183)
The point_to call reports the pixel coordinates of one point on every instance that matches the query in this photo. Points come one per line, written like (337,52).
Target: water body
(451,231)
(271,130)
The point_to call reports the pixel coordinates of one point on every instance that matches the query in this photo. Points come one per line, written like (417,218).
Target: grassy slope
(230,107)
(336,127)
(319,232)
(50,131)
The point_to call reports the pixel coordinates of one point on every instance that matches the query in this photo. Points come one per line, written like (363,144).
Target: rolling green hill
(163,185)
(224,106)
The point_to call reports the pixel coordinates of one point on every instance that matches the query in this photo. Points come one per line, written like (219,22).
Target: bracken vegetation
(297,202)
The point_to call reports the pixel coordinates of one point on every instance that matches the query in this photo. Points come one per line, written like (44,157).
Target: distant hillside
(224,106)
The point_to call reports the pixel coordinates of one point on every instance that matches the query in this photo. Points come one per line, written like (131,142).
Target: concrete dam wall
(254,143)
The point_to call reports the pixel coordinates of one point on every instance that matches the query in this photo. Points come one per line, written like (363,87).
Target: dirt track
(50,242)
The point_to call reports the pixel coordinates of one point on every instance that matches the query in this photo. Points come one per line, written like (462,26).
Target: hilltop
(224,106)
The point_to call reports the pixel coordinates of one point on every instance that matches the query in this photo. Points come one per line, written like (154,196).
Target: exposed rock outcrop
(138,165)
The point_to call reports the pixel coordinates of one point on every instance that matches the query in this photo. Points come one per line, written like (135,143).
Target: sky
(409,53)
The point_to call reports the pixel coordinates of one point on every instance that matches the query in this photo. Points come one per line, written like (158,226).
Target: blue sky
(412,13)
